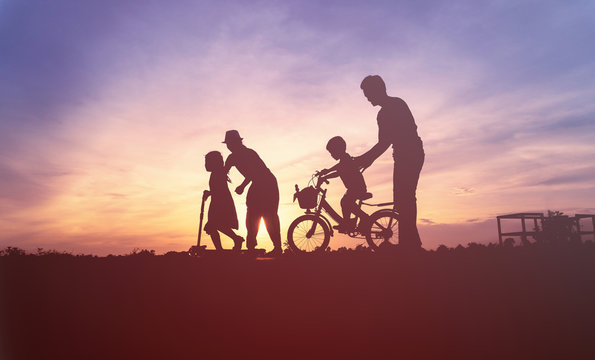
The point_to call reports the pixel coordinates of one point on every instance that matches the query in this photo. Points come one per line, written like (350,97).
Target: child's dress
(222,211)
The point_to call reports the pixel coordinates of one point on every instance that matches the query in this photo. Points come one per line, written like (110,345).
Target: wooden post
(577,220)
(499,230)
(524,235)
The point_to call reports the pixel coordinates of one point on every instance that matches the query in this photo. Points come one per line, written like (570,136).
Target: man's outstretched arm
(229,163)
(371,155)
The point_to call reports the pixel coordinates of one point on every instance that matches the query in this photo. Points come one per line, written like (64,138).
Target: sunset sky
(107,109)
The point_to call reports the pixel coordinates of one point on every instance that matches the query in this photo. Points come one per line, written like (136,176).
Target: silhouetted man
(262,200)
(396,127)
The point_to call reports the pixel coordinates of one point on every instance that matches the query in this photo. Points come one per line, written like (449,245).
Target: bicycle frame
(324,205)
(312,232)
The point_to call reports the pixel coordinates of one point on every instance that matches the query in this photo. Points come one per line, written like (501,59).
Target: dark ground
(525,302)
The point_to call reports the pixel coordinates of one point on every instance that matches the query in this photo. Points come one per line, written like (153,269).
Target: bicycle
(311,233)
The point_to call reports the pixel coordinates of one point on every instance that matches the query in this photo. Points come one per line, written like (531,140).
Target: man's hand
(366,165)
(368,158)
(206,194)
(363,161)
(239,190)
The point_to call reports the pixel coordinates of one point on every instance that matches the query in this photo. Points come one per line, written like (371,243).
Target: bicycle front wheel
(308,234)
(384,229)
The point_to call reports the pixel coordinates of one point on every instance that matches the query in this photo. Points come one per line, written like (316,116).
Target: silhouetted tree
(556,228)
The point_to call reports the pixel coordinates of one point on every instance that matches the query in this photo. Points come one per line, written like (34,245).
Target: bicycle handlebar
(320,179)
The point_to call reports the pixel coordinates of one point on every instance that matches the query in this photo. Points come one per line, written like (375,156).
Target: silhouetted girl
(222,211)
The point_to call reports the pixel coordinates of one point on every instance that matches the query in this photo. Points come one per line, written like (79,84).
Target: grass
(469,302)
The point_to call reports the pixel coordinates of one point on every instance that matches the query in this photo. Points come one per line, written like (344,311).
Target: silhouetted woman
(222,211)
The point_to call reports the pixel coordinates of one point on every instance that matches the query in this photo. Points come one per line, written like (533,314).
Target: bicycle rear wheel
(302,239)
(384,229)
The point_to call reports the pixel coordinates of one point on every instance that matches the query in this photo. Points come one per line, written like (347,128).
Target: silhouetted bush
(176,254)
(12,251)
(143,252)
(442,249)
(508,242)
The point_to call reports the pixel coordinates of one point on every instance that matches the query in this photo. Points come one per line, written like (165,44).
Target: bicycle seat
(366,196)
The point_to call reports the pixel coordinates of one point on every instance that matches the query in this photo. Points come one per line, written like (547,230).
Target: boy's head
(213,161)
(336,147)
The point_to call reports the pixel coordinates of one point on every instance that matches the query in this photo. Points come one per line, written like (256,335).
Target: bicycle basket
(308,197)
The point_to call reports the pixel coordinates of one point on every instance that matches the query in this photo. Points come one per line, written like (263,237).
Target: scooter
(197,249)
(200,250)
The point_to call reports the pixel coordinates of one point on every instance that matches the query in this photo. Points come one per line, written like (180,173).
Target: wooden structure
(534,217)
(537,222)
(580,230)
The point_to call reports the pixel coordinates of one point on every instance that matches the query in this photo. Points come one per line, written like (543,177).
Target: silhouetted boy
(348,169)
(222,211)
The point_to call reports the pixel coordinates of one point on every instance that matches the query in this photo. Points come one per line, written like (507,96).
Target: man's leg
(271,215)
(406,176)
(252,225)
(271,221)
